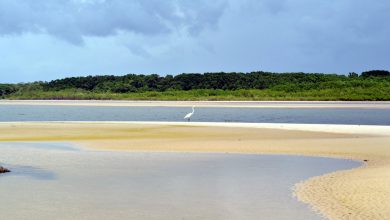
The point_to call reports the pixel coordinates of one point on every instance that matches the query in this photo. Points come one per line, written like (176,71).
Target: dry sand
(361,193)
(216,104)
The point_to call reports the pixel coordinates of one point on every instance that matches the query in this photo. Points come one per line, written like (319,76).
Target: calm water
(265,115)
(55,181)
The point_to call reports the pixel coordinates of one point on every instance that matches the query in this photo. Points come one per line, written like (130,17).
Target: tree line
(134,83)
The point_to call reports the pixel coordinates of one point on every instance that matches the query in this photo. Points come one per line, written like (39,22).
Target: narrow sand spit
(361,193)
(215,104)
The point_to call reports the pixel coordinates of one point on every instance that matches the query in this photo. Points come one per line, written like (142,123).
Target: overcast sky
(49,39)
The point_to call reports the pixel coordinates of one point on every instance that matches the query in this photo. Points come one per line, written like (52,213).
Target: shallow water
(264,115)
(57,181)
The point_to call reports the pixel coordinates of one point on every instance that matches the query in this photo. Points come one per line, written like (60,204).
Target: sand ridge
(214,104)
(361,193)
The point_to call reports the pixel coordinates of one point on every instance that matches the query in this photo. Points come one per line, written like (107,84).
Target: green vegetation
(371,85)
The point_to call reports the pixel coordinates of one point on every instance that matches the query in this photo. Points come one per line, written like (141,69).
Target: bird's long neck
(193,109)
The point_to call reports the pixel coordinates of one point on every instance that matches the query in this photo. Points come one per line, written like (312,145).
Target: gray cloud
(174,36)
(306,35)
(72,20)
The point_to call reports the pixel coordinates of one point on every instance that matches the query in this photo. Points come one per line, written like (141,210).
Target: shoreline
(213,104)
(374,130)
(358,193)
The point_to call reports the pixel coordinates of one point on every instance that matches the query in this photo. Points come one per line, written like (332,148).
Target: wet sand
(360,193)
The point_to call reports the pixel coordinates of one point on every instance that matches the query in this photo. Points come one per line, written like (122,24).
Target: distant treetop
(376,73)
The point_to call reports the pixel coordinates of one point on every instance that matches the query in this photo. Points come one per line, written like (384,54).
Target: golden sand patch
(360,193)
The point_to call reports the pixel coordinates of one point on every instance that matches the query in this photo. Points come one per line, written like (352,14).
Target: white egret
(188,116)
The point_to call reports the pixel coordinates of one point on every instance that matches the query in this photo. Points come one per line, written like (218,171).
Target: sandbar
(360,193)
(213,104)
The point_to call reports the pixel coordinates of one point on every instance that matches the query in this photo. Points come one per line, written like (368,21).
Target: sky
(42,40)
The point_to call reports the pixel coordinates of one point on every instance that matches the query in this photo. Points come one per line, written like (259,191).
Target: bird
(188,116)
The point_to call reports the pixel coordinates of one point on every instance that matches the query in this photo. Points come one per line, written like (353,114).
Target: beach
(211,104)
(353,194)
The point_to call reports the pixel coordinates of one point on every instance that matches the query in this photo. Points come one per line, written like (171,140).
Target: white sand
(240,104)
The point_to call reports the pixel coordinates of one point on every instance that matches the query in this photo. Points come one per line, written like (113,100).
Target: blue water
(204,114)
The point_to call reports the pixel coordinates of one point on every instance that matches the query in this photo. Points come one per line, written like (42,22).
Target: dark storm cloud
(74,19)
(174,36)
(310,35)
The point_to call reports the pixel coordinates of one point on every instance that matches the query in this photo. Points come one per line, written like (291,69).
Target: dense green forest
(370,85)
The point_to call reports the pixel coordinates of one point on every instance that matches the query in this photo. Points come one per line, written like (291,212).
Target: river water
(360,116)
